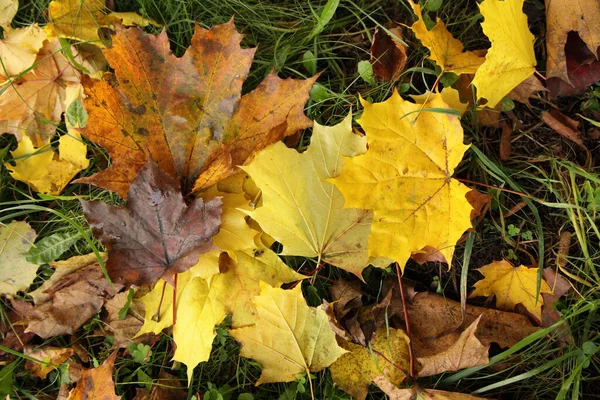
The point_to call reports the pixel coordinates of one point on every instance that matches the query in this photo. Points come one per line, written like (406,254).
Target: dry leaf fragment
(75,298)
(289,337)
(186,113)
(45,170)
(156,235)
(511,59)
(16,273)
(388,55)
(303,211)
(387,356)
(466,352)
(97,383)
(527,89)
(406,178)
(562,17)
(563,125)
(417,393)
(52,358)
(512,286)
(445,50)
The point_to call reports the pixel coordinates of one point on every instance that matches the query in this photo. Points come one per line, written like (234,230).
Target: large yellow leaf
(406,178)
(16,273)
(8,9)
(445,50)
(240,277)
(511,59)
(289,338)
(303,211)
(388,357)
(45,170)
(512,286)
(81,20)
(19,48)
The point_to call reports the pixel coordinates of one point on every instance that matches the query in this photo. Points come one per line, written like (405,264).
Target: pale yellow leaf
(289,338)
(512,286)
(406,178)
(19,48)
(8,10)
(16,273)
(301,210)
(511,59)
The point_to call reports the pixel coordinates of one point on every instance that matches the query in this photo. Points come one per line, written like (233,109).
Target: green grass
(554,188)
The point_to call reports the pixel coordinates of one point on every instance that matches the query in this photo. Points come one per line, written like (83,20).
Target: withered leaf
(388,55)
(187,113)
(74,299)
(156,235)
(50,356)
(97,383)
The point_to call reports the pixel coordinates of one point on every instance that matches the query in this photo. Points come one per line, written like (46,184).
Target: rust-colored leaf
(156,235)
(186,113)
(97,383)
(388,55)
(563,125)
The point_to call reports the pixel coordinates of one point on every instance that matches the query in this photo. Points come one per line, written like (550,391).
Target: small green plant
(140,352)
(512,230)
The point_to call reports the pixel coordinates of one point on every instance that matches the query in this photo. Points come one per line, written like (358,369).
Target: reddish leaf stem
(175,299)
(156,316)
(411,369)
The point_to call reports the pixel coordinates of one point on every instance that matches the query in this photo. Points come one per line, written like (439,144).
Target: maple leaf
(51,356)
(289,338)
(386,356)
(82,20)
(304,212)
(19,48)
(467,351)
(8,9)
(562,17)
(406,178)
(445,50)
(45,170)
(187,113)
(33,104)
(512,286)
(97,383)
(418,393)
(511,59)
(16,273)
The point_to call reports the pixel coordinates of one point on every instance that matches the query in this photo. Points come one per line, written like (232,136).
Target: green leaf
(319,93)
(365,70)
(309,61)
(51,247)
(7,375)
(76,114)
(433,5)
(325,16)
(123,311)
(245,396)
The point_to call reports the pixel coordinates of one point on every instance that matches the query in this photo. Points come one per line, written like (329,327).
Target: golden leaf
(16,273)
(19,48)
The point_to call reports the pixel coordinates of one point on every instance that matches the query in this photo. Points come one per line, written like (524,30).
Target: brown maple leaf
(156,235)
(187,113)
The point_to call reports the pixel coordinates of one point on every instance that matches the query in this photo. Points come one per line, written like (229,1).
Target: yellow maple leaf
(445,50)
(511,59)
(450,96)
(289,337)
(406,178)
(387,357)
(45,170)
(19,48)
(512,286)
(16,273)
(240,277)
(304,212)
(8,9)
(82,19)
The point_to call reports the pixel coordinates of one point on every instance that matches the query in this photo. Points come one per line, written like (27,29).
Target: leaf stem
(310,385)
(175,299)
(156,316)
(411,368)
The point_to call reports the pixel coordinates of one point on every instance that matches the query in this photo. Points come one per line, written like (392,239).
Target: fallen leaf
(505,141)
(16,273)
(240,277)
(166,387)
(304,212)
(386,356)
(46,170)
(289,338)
(466,352)
(417,393)
(511,59)
(156,235)
(63,268)
(198,128)
(33,104)
(388,54)
(512,286)
(75,298)
(12,328)
(97,383)
(19,48)
(559,286)
(125,329)
(527,89)
(8,9)
(51,357)
(445,50)
(450,96)
(82,19)
(406,178)
(564,126)
(346,296)
(562,17)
